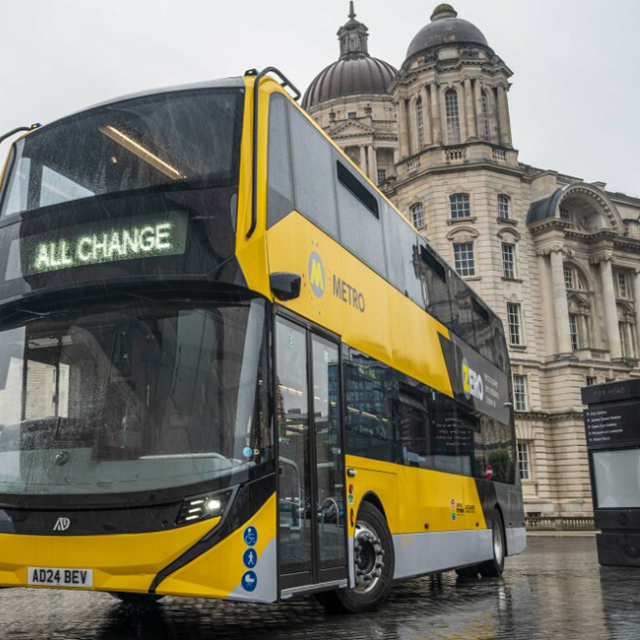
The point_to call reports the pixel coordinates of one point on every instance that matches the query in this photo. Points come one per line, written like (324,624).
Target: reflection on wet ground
(556,589)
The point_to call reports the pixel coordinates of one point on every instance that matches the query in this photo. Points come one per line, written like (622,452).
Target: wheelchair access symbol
(250,536)
(249,581)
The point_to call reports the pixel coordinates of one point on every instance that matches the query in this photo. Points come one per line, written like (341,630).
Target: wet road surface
(555,590)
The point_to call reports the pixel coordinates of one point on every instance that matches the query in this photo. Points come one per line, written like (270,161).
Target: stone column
(494,133)
(462,115)
(373,165)
(636,304)
(363,159)
(402,128)
(413,139)
(479,110)
(435,113)
(503,117)
(471,119)
(610,308)
(426,116)
(560,300)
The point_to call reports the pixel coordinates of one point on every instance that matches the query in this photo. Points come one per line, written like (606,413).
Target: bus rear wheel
(374,566)
(493,568)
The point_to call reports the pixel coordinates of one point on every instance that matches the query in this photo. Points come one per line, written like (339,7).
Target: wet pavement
(556,589)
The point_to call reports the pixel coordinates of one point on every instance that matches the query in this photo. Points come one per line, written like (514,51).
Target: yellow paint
(216,573)
(119,562)
(413,498)
(392,328)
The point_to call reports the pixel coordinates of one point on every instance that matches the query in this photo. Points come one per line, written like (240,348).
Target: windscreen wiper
(35,125)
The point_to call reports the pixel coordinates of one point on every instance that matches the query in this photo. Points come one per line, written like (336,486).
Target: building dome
(349,76)
(445,28)
(356,72)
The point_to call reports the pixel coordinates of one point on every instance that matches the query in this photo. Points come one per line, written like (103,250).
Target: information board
(613,426)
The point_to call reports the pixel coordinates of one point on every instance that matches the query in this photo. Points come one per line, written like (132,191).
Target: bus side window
(313,173)
(398,247)
(280,201)
(412,424)
(437,275)
(498,446)
(369,387)
(360,228)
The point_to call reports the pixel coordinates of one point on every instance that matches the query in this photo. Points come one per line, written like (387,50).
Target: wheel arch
(373,499)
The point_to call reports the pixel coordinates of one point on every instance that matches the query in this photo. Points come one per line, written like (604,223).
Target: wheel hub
(368,557)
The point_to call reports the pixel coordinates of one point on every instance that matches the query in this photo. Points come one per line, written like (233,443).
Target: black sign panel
(613,426)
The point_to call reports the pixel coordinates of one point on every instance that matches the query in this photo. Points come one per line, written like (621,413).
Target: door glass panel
(292,412)
(330,475)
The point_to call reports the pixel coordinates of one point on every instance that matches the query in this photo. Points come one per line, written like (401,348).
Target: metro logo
(471,382)
(316,274)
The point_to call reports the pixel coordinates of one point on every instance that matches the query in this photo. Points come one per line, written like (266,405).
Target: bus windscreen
(163,141)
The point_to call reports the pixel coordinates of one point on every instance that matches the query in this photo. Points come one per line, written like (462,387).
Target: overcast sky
(576,84)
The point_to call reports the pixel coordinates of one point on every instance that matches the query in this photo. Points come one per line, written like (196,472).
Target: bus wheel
(142,600)
(493,568)
(374,566)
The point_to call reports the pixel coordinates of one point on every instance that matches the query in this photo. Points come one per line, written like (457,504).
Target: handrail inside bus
(36,125)
(296,96)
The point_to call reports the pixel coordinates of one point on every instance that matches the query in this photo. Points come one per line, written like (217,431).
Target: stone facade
(558,259)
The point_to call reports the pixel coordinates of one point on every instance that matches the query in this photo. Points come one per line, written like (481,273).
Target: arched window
(453,117)
(504,207)
(460,206)
(420,123)
(417,215)
(626,326)
(485,114)
(573,280)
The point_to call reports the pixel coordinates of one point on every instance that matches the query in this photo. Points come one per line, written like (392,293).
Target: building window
(460,207)
(382,175)
(509,261)
(485,114)
(564,213)
(520,392)
(572,279)
(463,259)
(420,123)
(573,330)
(352,115)
(523,461)
(417,215)
(623,285)
(504,207)
(591,380)
(513,321)
(453,117)
(624,346)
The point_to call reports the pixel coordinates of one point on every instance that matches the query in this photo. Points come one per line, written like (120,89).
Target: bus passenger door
(311,527)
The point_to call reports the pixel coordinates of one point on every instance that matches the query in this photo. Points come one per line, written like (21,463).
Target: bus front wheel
(374,566)
(493,568)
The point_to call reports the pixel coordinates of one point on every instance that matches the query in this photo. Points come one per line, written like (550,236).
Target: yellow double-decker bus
(229,368)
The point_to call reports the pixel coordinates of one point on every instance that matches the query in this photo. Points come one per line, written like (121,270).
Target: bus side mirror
(285,286)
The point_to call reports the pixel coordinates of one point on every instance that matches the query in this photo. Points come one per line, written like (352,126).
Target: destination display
(89,244)
(611,426)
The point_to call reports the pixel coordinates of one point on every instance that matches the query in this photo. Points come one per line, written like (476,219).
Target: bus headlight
(212,505)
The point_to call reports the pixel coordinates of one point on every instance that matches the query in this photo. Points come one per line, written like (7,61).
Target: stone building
(557,258)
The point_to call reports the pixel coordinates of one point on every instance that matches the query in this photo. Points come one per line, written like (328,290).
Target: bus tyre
(374,566)
(141,600)
(493,568)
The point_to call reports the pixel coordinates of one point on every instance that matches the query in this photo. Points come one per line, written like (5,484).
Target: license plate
(79,578)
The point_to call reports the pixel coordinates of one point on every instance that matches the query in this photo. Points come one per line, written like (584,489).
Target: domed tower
(451,94)
(350,100)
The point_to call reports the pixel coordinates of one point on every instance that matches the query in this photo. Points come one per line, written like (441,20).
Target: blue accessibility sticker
(250,536)
(247,452)
(250,558)
(249,581)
